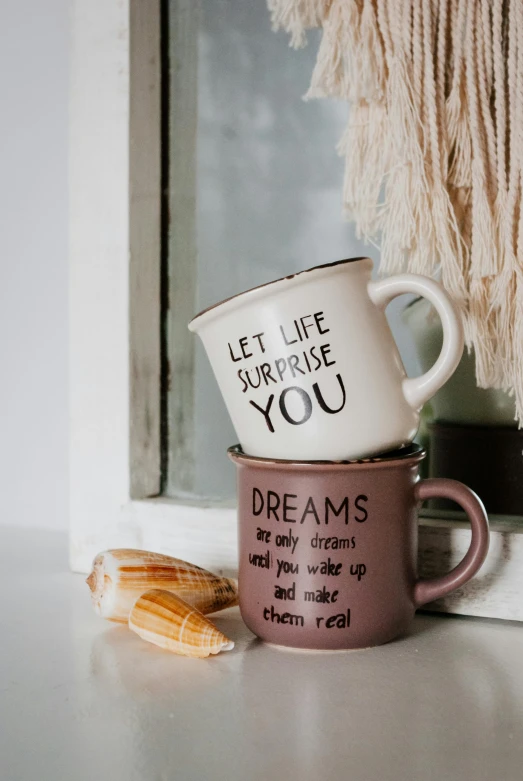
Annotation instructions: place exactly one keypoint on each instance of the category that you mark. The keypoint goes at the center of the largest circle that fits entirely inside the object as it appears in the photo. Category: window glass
(267, 198)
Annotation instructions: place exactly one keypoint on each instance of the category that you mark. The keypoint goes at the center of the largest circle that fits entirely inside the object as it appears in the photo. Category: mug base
(294, 649)
(299, 641)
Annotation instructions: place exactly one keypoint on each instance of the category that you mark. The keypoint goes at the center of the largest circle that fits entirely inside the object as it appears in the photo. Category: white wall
(34, 59)
(34, 55)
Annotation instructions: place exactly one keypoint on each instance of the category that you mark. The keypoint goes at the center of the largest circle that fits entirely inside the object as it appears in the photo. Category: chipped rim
(253, 293)
(412, 453)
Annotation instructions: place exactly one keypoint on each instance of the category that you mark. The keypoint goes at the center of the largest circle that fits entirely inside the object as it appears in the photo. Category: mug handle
(441, 487)
(418, 390)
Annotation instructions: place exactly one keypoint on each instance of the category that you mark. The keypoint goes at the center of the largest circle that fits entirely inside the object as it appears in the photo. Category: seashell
(162, 618)
(121, 575)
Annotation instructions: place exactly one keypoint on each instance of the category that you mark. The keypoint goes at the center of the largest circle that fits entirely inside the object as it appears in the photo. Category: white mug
(308, 367)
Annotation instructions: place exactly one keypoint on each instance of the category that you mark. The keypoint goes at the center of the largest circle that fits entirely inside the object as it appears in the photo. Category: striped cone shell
(164, 619)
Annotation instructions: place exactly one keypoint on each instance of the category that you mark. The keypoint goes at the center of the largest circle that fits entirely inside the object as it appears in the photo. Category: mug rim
(411, 453)
(254, 292)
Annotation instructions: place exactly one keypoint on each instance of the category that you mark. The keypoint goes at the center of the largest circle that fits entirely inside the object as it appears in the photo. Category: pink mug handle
(434, 588)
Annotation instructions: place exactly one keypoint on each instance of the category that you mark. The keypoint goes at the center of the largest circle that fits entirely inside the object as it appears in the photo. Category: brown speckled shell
(121, 575)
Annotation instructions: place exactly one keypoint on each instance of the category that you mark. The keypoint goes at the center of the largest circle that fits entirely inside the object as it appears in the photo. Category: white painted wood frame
(115, 262)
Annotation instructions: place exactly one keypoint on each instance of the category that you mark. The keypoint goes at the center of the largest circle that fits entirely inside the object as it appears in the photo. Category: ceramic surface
(328, 551)
(309, 369)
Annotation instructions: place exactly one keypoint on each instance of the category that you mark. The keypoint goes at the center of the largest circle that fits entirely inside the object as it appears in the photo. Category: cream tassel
(434, 149)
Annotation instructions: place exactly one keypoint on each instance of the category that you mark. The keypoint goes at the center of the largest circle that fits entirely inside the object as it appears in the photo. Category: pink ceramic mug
(328, 550)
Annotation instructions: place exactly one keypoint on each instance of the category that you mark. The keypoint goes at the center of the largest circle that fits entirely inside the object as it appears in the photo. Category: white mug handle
(418, 390)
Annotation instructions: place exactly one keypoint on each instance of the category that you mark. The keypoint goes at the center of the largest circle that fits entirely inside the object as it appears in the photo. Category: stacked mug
(328, 475)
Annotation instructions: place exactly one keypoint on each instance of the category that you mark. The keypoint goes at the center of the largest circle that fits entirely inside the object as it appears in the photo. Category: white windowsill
(82, 698)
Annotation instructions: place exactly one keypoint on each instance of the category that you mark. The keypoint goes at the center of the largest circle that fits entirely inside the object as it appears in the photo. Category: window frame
(115, 329)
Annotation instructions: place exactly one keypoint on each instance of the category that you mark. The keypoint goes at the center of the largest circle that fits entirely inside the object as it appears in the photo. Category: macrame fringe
(296, 17)
(433, 149)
